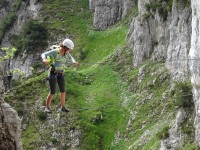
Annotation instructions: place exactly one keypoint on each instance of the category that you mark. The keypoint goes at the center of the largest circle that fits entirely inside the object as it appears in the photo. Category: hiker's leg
(52, 85)
(48, 102)
(62, 99)
(61, 84)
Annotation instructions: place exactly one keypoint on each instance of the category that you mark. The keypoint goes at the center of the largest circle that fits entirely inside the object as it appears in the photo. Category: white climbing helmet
(68, 43)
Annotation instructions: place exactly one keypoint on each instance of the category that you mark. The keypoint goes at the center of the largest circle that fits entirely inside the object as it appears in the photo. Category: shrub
(41, 116)
(54, 141)
(188, 128)
(162, 10)
(183, 95)
(2, 3)
(164, 133)
(153, 6)
(6, 23)
(32, 39)
(17, 5)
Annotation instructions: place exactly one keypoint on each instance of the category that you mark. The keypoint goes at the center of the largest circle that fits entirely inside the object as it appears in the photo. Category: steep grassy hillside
(93, 92)
(113, 106)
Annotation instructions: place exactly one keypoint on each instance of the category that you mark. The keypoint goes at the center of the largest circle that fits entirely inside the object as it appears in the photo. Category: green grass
(90, 46)
(153, 114)
(67, 17)
(96, 95)
(95, 92)
(100, 104)
(102, 43)
(29, 137)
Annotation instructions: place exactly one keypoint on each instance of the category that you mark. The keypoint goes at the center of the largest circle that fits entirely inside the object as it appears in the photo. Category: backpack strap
(52, 61)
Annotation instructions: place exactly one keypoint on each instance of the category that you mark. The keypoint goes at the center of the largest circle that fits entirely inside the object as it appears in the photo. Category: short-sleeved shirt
(58, 60)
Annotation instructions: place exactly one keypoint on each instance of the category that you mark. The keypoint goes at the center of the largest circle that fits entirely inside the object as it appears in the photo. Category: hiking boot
(47, 110)
(63, 109)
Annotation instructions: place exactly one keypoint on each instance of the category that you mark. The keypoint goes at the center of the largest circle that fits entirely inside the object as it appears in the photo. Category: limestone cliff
(107, 13)
(10, 126)
(26, 10)
(165, 32)
(195, 63)
(166, 38)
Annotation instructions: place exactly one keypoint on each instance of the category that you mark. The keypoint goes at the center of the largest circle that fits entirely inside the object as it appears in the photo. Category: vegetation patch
(2, 3)
(42, 116)
(164, 133)
(163, 8)
(6, 23)
(183, 93)
(33, 38)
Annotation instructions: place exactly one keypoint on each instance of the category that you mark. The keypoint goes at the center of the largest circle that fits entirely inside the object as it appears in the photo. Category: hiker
(56, 58)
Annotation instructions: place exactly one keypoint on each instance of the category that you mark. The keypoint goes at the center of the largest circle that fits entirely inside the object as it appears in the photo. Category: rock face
(160, 35)
(156, 37)
(108, 12)
(164, 37)
(10, 124)
(27, 10)
(195, 63)
(175, 135)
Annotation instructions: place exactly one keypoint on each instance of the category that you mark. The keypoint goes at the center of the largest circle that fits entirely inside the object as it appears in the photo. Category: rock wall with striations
(168, 33)
(108, 12)
(162, 35)
(27, 10)
(195, 64)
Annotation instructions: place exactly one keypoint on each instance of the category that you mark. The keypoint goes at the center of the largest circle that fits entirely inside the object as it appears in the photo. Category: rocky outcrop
(164, 37)
(107, 13)
(174, 140)
(195, 63)
(28, 10)
(10, 124)
(161, 34)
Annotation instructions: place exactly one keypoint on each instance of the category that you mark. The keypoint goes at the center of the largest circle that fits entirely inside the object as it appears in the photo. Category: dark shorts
(53, 78)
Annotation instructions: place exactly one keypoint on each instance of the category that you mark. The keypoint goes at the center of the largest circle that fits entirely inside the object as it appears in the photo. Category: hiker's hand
(45, 61)
(76, 64)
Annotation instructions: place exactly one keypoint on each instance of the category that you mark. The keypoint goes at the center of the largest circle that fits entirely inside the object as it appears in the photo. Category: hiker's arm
(45, 57)
(72, 59)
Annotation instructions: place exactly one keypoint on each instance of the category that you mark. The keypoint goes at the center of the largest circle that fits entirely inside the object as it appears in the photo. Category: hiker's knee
(52, 93)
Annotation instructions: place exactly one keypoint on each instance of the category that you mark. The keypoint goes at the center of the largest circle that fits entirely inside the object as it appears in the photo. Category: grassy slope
(101, 102)
(101, 96)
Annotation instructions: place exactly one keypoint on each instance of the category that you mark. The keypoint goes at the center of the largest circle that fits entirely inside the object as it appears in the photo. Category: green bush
(41, 116)
(6, 23)
(32, 39)
(54, 141)
(157, 5)
(153, 6)
(164, 133)
(183, 95)
(2, 3)
(188, 128)
(17, 5)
